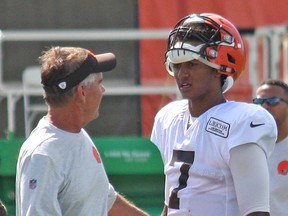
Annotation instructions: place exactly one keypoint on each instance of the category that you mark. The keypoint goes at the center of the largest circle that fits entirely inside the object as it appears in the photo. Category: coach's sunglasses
(270, 101)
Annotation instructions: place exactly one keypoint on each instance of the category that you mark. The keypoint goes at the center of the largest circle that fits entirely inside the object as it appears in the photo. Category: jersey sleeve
(39, 176)
(254, 125)
(157, 133)
(163, 120)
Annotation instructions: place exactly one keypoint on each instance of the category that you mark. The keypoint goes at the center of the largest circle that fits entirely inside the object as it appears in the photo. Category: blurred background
(136, 31)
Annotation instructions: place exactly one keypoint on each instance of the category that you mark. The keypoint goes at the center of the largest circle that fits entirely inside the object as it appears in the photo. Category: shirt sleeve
(112, 195)
(39, 185)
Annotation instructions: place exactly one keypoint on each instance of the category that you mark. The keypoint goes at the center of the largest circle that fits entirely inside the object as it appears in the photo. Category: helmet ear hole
(231, 59)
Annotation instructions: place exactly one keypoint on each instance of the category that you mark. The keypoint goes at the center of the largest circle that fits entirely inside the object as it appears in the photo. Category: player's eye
(175, 67)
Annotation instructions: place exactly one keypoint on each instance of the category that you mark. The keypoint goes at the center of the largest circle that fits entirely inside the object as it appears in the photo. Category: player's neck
(198, 107)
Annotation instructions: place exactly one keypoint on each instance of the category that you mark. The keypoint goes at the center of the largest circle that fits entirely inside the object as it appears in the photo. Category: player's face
(279, 110)
(194, 79)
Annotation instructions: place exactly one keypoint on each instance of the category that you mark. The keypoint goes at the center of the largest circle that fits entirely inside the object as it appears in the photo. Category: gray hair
(89, 80)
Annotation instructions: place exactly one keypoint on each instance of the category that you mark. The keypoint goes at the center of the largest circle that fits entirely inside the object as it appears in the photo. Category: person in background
(214, 151)
(3, 210)
(273, 96)
(59, 169)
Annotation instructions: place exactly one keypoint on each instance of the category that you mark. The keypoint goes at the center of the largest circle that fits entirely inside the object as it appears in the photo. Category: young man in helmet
(214, 151)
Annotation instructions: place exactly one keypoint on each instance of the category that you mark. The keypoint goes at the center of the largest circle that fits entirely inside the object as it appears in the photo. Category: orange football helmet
(218, 45)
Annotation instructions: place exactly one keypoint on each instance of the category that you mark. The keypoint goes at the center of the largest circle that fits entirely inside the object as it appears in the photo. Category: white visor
(183, 52)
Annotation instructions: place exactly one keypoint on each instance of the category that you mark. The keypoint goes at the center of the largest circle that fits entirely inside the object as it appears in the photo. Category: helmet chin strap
(218, 67)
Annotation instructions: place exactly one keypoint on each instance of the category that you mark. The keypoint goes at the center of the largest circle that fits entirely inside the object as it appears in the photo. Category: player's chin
(186, 92)
(185, 95)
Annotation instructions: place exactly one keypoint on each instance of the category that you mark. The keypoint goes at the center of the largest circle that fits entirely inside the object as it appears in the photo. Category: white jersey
(196, 157)
(278, 170)
(61, 174)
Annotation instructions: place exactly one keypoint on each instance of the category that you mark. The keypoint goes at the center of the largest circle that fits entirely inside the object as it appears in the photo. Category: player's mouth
(184, 87)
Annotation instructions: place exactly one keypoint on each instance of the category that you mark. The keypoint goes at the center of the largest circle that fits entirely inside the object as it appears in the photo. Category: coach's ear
(81, 93)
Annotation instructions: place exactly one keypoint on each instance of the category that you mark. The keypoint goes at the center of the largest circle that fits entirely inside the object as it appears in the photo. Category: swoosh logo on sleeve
(252, 125)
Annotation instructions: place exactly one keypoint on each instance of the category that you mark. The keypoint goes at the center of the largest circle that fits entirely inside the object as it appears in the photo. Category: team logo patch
(62, 85)
(32, 183)
(283, 167)
(218, 127)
